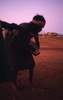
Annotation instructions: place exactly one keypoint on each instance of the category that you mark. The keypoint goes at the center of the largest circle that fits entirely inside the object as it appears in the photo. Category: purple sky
(19, 11)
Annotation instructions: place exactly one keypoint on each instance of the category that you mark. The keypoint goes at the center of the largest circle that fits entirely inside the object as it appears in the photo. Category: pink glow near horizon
(19, 11)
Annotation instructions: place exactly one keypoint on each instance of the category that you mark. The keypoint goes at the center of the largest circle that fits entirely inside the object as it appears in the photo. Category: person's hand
(0, 24)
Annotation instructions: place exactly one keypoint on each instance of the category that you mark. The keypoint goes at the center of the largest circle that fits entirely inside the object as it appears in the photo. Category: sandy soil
(47, 78)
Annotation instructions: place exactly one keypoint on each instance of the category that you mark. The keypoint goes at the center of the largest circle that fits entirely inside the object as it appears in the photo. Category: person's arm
(37, 40)
(10, 26)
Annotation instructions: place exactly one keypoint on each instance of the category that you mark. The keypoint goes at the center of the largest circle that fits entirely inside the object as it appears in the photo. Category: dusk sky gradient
(19, 11)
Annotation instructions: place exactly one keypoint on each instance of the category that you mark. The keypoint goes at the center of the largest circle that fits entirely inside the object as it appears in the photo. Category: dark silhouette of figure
(20, 43)
(5, 72)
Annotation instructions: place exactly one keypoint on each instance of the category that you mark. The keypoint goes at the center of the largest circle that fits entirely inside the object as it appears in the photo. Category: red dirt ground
(47, 78)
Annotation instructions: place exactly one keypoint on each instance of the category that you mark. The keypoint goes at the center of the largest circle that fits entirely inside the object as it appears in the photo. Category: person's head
(37, 23)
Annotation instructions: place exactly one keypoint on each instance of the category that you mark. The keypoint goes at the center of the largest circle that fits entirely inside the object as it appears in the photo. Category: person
(5, 72)
(23, 33)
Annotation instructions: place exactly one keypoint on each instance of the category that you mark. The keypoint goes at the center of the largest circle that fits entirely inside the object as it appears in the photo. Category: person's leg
(31, 74)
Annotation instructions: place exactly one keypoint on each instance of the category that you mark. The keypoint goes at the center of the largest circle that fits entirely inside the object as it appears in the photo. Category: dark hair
(39, 17)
